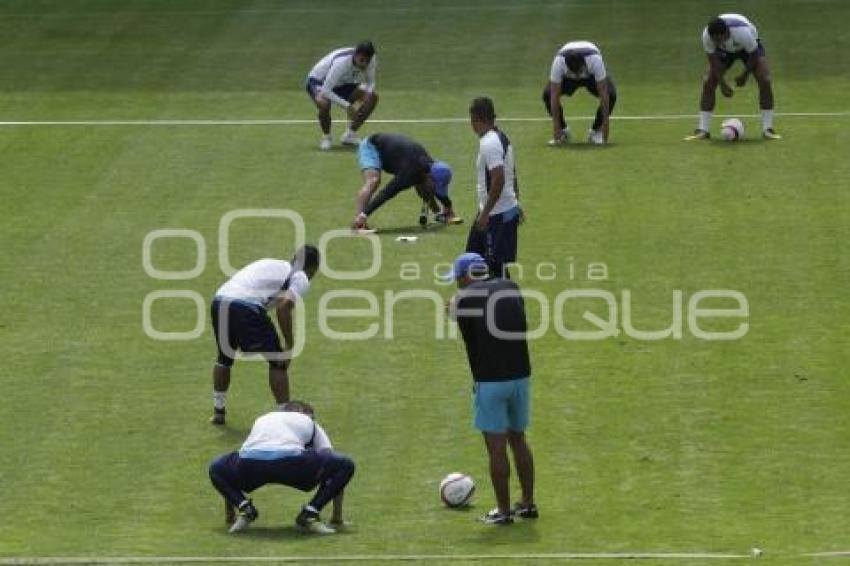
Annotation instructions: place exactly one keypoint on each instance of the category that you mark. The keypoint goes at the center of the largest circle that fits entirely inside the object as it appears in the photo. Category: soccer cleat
(326, 143)
(770, 134)
(247, 514)
(525, 511)
(308, 521)
(595, 137)
(563, 137)
(218, 416)
(496, 517)
(698, 135)
(448, 217)
(349, 138)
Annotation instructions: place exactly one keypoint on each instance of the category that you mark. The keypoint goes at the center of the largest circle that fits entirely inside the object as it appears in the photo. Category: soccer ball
(732, 129)
(456, 489)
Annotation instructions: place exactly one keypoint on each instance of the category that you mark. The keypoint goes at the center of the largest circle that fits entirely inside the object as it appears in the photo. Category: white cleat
(326, 143)
(595, 137)
(240, 524)
(317, 528)
(349, 138)
(562, 138)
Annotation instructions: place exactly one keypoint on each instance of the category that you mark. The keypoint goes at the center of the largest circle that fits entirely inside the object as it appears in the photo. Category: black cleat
(496, 517)
(247, 514)
(525, 511)
(218, 416)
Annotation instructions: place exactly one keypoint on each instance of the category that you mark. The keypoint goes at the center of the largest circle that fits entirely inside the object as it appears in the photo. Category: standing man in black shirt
(490, 313)
(412, 167)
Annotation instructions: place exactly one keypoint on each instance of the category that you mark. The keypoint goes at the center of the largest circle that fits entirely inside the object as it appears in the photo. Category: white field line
(833, 554)
(301, 121)
(371, 558)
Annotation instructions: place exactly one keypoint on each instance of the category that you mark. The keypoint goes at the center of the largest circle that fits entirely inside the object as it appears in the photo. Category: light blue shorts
(367, 156)
(501, 406)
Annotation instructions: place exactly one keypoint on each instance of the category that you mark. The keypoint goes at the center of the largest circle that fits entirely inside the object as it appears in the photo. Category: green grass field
(668, 446)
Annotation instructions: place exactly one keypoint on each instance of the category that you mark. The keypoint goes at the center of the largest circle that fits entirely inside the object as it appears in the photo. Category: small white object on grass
(757, 552)
(409, 239)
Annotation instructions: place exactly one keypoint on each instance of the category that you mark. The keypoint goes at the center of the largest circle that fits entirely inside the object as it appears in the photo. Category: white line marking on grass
(373, 558)
(833, 554)
(301, 121)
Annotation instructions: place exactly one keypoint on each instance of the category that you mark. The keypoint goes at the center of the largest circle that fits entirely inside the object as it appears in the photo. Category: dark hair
(482, 109)
(306, 258)
(297, 407)
(716, 27)
(366, 48)
(575, 62)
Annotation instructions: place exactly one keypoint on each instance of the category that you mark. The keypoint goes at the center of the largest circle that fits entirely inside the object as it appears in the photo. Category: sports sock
(705, 121)
(219, 399)
(766, 119)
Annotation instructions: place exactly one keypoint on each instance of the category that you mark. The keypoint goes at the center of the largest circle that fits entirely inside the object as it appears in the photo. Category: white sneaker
(240, 524)
(563, 138)
(595, 137)
(326, 143)
(316, 528)
(349, 138)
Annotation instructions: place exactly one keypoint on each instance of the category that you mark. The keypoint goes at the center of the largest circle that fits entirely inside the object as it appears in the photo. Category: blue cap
(441, 173)
(464, 264)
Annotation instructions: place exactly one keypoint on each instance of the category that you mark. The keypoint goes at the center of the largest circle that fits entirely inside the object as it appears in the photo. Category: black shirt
(402, 157)
(494, 358)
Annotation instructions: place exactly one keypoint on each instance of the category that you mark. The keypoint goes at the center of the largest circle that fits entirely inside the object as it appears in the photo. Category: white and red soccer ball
(456, 489)
(732, 129)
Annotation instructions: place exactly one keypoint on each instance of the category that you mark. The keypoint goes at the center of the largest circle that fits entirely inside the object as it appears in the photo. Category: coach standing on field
(491, 316)
(494, 232)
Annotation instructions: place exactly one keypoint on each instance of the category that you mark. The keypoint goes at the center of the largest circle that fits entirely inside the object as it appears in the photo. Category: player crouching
(413, 167)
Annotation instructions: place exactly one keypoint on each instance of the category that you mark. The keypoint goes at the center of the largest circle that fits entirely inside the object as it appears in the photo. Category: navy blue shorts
(239, 325)
(498, 244)
(302, 472)
(729, 59)
(345, 91)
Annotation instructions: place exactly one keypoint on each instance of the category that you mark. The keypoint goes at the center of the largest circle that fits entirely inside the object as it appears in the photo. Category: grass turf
(676, 445)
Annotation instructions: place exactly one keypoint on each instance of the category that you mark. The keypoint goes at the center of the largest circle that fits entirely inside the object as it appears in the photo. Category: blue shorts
(498, 244)
(501, 406)
(245, 327)
(344, 91)
(367, 156)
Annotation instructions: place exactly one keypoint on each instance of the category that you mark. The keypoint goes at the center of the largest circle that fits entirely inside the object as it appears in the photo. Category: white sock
(311, 509)
(767, 119)
(327, 136)
(219, 398)
(705, 121)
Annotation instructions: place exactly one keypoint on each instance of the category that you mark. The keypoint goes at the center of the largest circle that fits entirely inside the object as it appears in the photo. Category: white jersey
(264, 282)
(743, 35)
(593, 63)
(494, 150)
(337, 68)
(283, 432)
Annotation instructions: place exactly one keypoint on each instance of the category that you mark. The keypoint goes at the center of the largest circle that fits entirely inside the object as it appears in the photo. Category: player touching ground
(726, 39)
(345, 77)
(579, 64)
(412, 166)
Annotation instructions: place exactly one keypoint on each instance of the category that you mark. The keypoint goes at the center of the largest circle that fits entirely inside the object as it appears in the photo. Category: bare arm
(497, 184)
(555, 108)
(717, 70)
(604, 105)
(284, 321)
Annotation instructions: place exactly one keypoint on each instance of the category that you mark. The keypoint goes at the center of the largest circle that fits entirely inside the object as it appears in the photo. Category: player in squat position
(579, 64)
(345, 77)
(726, 39)
(412, 166)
